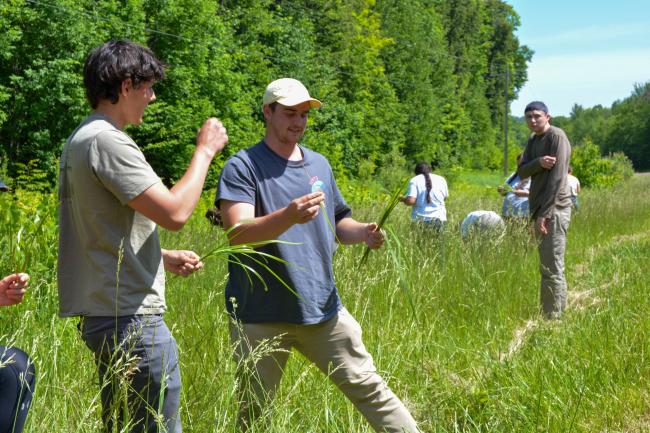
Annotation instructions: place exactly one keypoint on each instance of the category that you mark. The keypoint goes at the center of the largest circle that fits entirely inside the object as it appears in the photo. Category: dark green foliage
(505, 56)
(630, 128)
(625, 127)
(401, 81)
(420, 69)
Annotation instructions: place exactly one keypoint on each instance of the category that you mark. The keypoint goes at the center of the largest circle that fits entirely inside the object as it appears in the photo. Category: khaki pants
(335, 347)
(551, 256)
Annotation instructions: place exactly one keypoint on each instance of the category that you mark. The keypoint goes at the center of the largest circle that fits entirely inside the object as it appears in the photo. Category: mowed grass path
(454, 328)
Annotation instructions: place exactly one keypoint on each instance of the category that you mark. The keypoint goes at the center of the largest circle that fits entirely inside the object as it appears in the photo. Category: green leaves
(28, 233)
(400, 80)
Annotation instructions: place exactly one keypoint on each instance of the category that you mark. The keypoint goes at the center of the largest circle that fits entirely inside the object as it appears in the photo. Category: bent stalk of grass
(392, 203)
(234, 253)
(402, 279)
(329, 222)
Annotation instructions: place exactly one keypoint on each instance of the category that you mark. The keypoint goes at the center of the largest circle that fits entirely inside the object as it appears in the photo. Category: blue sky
(586, 52)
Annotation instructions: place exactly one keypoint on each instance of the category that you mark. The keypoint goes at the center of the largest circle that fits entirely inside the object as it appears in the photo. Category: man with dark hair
(111, 64)
(279, 187)
(110, 265)
(546, 161)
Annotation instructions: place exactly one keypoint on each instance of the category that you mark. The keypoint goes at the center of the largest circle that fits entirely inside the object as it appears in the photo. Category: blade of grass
(396, 254)
(392, 203)
(249, 251)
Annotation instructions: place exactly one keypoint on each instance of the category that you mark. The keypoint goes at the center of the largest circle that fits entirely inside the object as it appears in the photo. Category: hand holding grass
(374, 236)
(398, 196)
(13, 288)
(181, 262)
(243, 227)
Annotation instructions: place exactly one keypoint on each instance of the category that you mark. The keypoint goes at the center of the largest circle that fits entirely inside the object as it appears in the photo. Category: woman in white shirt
(427, 193)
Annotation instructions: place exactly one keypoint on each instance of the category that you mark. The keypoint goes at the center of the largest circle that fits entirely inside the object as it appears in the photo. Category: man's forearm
(188, 189)
(264, 228)
(529, 168)
(350, 231)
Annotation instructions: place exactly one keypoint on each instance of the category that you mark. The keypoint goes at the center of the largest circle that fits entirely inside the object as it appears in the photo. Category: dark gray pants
(553, 291)
(139, 377)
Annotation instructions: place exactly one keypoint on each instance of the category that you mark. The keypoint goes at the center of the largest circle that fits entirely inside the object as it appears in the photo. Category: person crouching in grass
(17, 373)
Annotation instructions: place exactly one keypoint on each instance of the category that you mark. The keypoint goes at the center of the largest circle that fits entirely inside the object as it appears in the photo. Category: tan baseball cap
(288, 92)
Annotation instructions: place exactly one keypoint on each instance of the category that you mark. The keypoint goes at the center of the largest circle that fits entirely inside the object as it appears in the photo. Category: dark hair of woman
(424, 169)
(108, 65)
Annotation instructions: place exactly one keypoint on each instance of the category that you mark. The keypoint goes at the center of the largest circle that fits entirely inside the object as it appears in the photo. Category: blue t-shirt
(261, 177)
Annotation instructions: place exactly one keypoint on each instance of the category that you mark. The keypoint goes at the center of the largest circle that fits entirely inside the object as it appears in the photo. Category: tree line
(402, 80)
(623, 127)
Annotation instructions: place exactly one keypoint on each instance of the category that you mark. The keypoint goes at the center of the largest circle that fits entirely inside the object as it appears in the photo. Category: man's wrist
(205, 151)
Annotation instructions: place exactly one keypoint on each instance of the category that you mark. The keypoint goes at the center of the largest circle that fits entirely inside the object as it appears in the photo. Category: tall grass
(476, 357)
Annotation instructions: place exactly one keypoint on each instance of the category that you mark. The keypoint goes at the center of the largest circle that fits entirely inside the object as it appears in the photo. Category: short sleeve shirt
(423, 210)
(574, 184)
(110, 261)
(260, 177)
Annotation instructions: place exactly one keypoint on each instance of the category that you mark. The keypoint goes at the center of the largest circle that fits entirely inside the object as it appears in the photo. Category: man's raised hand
(212, 137)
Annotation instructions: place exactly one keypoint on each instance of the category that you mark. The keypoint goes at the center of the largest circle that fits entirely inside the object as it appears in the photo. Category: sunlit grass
(441, 349)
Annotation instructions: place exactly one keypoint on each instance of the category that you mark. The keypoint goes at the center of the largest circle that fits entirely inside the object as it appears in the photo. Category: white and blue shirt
(514, 205)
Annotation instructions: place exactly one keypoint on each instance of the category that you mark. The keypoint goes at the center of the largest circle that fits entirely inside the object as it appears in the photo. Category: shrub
(596, 171)
(32, 177)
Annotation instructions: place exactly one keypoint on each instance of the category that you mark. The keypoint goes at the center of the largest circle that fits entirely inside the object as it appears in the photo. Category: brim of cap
(292, 102)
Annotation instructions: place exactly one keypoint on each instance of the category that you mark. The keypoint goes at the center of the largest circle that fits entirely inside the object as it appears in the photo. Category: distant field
(453, 327)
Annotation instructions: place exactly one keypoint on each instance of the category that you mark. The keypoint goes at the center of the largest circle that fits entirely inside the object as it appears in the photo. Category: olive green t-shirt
(110, 261)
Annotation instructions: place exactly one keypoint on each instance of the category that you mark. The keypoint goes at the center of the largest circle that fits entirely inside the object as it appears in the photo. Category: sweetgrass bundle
(394, 200)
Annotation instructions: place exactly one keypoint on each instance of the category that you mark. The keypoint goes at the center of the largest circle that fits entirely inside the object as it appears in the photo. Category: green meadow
(453, 327)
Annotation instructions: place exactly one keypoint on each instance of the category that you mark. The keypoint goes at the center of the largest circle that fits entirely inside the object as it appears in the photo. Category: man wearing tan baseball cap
(288, 92)
(288, 192)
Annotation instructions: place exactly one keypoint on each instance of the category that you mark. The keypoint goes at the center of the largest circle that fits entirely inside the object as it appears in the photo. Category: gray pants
(139, 377)
(551, 256)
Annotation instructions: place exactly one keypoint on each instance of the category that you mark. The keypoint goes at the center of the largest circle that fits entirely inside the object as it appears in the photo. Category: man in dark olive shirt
(546, 161)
